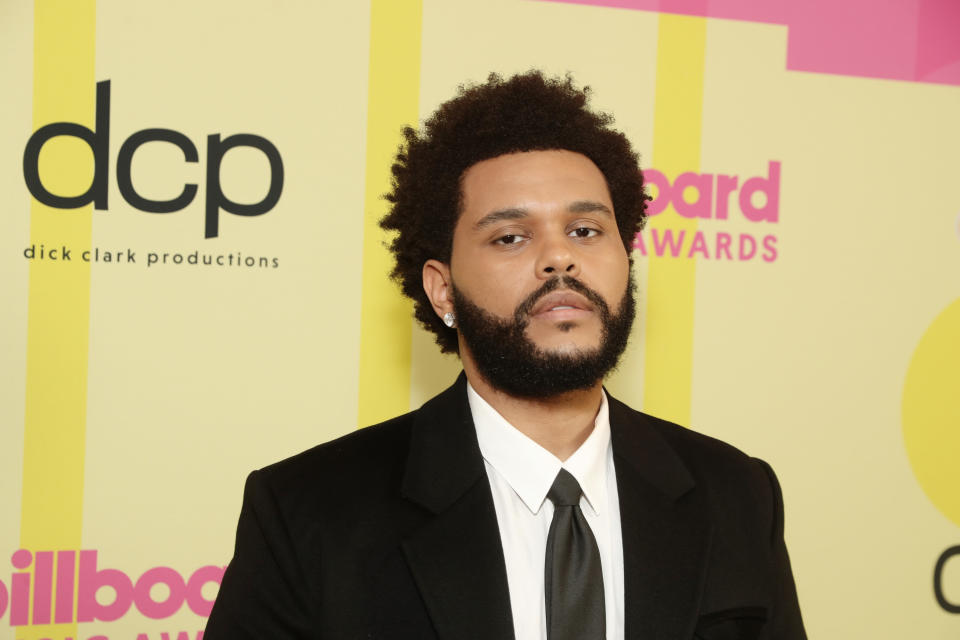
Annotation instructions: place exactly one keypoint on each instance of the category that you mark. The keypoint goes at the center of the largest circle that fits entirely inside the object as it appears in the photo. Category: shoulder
(361, 467)
(373, 446)
(738, 493)
(364, 472)
(721, 469)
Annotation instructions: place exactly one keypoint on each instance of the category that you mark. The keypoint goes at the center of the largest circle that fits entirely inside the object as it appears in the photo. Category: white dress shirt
(521, 472)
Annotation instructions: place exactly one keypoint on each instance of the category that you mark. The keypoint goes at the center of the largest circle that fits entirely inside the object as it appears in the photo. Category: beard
(512, 363)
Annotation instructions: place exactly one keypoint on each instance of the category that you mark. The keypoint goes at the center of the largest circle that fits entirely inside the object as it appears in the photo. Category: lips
(562, 301)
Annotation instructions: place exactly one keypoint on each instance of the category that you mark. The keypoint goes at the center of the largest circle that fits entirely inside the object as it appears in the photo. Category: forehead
(532, 180)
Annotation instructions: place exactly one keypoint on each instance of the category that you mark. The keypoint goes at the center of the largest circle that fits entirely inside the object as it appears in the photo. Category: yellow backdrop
(799, 284)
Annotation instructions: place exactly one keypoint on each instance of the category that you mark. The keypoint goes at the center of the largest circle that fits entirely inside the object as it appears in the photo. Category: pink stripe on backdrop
(938, 56)
(854, 37)
(915, 40)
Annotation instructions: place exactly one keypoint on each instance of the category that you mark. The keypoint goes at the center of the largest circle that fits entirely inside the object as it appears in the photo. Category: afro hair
(527, 112)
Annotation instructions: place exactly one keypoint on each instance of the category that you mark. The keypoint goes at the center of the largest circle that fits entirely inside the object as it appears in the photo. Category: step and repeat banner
(194, 284)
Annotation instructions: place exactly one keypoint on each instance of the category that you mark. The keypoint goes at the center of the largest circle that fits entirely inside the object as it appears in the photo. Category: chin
(565, 340)
(566, 347)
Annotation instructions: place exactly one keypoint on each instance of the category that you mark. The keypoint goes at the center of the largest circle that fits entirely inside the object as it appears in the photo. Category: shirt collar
(530, 469)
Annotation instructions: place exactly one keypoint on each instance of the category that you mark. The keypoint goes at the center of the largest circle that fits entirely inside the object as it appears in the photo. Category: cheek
(615, 277)
(494, 286)
(501, 292)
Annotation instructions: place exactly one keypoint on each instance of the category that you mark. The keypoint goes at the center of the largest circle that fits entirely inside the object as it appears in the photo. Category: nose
(557, 257)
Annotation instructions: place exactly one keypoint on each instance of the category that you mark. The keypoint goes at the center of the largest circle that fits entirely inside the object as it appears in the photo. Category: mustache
(568, 282)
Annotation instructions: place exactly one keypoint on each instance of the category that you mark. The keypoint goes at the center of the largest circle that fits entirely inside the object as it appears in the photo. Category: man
(523, 502)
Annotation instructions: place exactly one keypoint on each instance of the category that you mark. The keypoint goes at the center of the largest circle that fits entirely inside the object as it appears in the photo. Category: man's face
(540, 275)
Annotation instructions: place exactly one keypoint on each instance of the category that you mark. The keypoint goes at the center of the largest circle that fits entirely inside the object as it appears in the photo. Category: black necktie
(574, 578)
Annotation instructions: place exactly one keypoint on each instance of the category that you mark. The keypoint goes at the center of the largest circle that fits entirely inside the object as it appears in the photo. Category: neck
(559, 424)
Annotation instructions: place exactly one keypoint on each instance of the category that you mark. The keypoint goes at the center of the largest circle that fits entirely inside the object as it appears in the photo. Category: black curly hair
(527, 112)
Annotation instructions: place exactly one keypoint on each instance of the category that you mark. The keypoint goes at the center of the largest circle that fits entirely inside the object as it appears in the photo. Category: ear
(438, 286)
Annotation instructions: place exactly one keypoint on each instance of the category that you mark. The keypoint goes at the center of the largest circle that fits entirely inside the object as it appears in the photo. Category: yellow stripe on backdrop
(386, 316)
(58, 312)
(668, 366)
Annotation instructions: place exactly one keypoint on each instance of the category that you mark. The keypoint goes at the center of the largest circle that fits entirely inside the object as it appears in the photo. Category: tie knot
(565, 491)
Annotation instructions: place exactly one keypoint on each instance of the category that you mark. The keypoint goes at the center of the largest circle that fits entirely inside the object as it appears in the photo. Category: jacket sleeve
(263, 593)
(785, 621)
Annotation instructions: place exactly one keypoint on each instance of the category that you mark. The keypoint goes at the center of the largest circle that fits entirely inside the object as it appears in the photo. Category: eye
(510, 238)
(585, 232)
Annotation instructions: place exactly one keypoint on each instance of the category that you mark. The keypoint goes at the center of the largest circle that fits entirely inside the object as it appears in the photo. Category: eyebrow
(589, 206)
(516, 213)
(513, 213)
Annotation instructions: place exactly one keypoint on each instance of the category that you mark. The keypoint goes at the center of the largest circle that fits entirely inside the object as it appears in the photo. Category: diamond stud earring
(449, 319)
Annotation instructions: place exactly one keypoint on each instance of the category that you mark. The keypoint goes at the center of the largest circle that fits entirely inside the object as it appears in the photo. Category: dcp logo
(99, 142)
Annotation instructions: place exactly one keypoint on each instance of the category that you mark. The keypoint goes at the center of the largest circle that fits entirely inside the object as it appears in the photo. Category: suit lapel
(456, 558)
(665, 530)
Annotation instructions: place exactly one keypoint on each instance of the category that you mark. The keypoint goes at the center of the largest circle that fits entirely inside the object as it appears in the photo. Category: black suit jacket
(390, 532)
